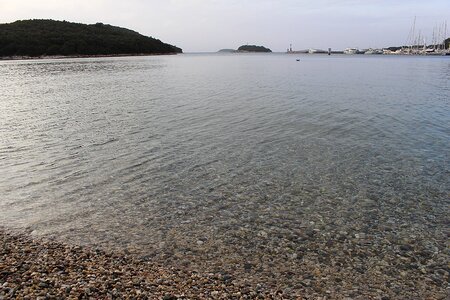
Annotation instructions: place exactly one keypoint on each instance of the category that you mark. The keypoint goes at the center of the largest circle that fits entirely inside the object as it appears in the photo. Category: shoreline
(46, 268)
(35, 267)
(14, 58)
(57, 57)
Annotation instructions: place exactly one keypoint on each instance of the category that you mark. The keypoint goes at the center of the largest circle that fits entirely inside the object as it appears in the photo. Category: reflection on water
(230, 161)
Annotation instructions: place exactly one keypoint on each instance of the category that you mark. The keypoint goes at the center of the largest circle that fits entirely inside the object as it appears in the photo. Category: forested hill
(48, 37)
(253, 48)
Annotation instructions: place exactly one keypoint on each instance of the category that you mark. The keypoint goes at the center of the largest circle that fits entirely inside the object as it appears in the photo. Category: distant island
(227, 50)
(35, 38)
(253, 48)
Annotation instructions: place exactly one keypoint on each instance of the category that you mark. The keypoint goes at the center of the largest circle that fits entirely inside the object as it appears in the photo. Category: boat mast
(434, 42)
(413, 33)
(445, 37)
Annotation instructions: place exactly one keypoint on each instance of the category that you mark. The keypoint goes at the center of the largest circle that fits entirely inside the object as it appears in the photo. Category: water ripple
(161, 152)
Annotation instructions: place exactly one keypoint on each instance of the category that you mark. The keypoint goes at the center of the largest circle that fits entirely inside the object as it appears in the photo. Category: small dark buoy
(298, 59)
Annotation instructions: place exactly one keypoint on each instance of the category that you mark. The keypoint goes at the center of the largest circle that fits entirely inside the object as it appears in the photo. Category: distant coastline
(44, 57)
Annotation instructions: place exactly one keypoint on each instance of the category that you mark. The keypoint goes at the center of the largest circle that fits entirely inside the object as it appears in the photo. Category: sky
(210, 25)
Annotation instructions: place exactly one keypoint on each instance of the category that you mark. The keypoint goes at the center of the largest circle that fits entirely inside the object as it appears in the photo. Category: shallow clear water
(227, 161)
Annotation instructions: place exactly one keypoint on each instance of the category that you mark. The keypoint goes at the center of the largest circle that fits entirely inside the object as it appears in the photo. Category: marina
(415, 45)
(412, 50)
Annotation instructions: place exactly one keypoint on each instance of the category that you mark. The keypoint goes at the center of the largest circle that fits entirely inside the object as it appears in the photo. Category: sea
(278, 169)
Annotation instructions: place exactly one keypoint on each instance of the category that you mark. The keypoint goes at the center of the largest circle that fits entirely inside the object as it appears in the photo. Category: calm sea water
(224, 161)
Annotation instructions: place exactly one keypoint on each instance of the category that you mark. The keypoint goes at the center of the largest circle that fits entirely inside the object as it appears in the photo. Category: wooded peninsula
(35, 38)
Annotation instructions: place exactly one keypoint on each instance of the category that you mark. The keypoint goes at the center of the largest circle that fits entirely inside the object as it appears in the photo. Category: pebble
(263, 234)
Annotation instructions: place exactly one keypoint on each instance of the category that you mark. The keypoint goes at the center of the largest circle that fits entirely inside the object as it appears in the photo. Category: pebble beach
(38, 269)
(43, 269)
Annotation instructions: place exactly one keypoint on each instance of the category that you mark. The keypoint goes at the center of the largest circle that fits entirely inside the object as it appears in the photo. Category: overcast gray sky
(209, 25)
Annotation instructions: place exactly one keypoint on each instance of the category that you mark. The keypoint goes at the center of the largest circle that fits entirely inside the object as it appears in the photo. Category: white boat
(373, 51)
(316, 51)
(351, 51)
